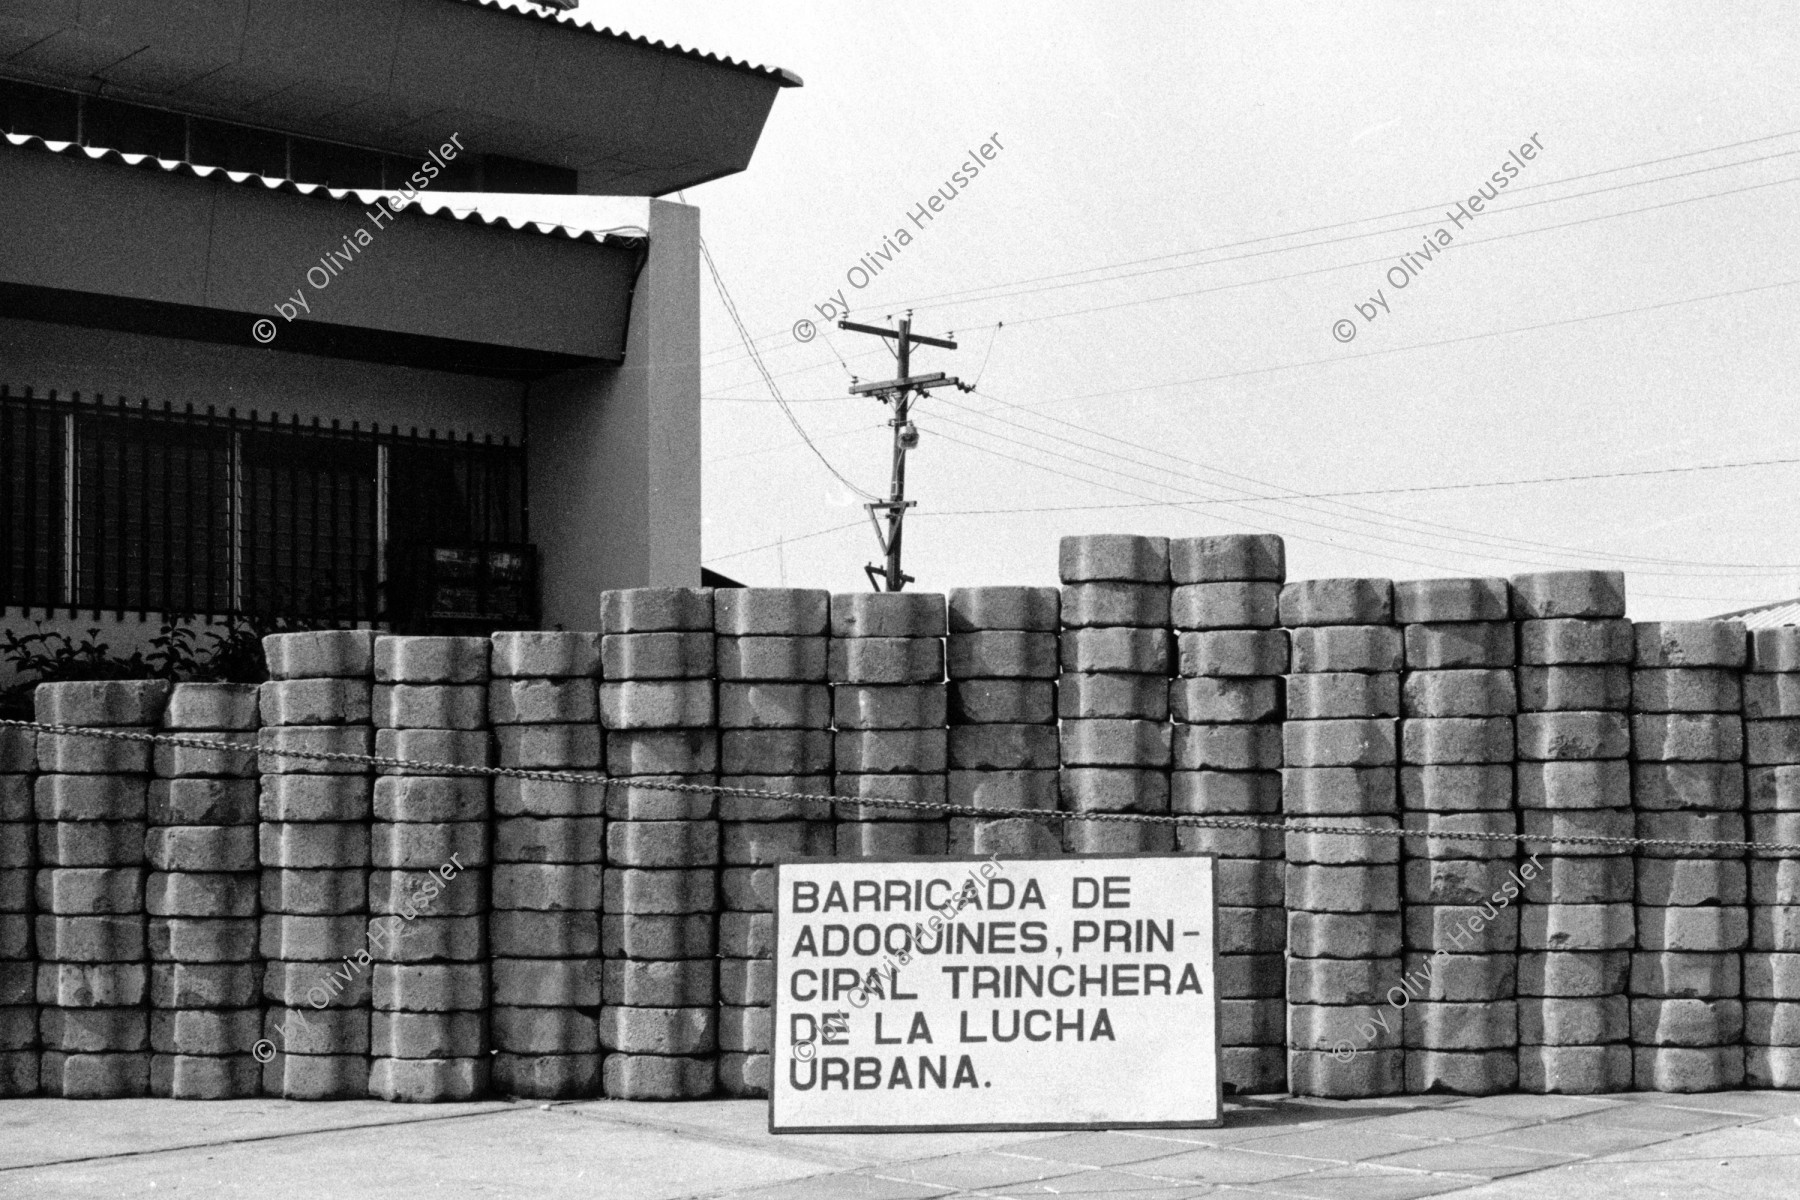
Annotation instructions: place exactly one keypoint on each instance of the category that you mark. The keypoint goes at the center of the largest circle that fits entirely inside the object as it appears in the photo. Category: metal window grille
(122, 507)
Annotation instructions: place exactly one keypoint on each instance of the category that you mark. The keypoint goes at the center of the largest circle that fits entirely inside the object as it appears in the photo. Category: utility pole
(898, 392)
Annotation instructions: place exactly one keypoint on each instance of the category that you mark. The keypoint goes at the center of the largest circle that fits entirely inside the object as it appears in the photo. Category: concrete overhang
(161, 247)
(634, 117)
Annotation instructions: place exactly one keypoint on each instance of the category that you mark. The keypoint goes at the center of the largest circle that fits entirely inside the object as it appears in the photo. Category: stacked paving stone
(1772, 965)
(1343, 892)
(886, 665)
(1457, 700)
(659, 1018)
(428, 853)
(775, 735)
(314, 849)
(549, 842)
(1693, 919)
(1003, 662)
(1227, 706)
(18, 973)
(1113, 696)
(1573, 779)
(92, 978)
(205, 981)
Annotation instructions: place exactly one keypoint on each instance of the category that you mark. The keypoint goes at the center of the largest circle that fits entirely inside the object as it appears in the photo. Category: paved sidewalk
(1740, 1144)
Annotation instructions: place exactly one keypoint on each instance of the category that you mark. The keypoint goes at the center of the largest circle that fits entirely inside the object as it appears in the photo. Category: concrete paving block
(225, 940)
(15, 894)
(1690, 826)
(1695, 1023)
(94, 1076)
(557, 655)
(745, 1030)
(1228, 701)
(658, 704)
(1456, 740)
(1573, 974)
(1109, 837)
(1338, 695)
(1544, 594)
(94, 1030)
(1009, 836)
(1339, 743)
(1103, 742)
(317, 1076)
(1113, 697)
(1460, 881)
(1228, 843)
(408, 1038)
(1687, 785)
(1575, 1070)
(1117, 650)
(905, 615)
(428, 846)
(315, 701)
(655, 610)
(549, 839)
(1345, 889)
(1770, 1023)
(211, 706)
(201, 848)
(773, 658)
(886, 706)
(133, 702)
(1446, 835)
(656, 656)
(762, 843)
(1016, 701)
(659, 752)
(312, 939)
(1548, 830)
(1773, 742)
(656, 1077)
(1688, 690)
(428, 1080)
(546, 1076)
(574, 747)
(1328, 1026)
(326, 892)
(432, 659)
(666, 985)
(907, 789)
(190, 894)
(1225, 793)
(760, 808)
(1114, 789)
(205, 1031)
(1361, 648)
(994, 608)
(1459, 978)
(1574, 1021)
(321, 654)
(782, 612)
(91, 843)
(18, 750)
(411, 893)
(430, 798)
(537, 1031)
(886, 660)
(1575, 642)
(1331, 935)
(544, 935)
(668, 936)
(626, 890)
(1673, 975)
(1450, 600)
(1459, 693)
(307, 798)
(1602, 880)
(202, 802)
(1330, 849)
(1667, 1069)
(1362, 1073)
(428, 939)
(1768, 788)
(85, 891)
(1250, 977)
(205, 985)
(95, 939)
(1770, 696)
(746, 935)
(662, 843)
(107, 986)
(1459, 929)
(1579, 927)
(1689, 737)
(1562, 736)
(545, 982)
(424, 706)
(316, 986)
(1473, 644)
(547, 798)
(658, 1031)
(1464, 1073)
(776, 705)
(1003, 789)
(542, 701)
(1691, 644)
(889, 839)
(1771, 928)
(1228, 558)
(1772, 1067)
(313, 846)
(1113, 557)
(1252, 1023)
(1480, 787)
(429, 988)
(1477, 1026)
(1238, 653)
(1687, 881)
(1003, 654)
(1335, 791)
(1577, 784)
(1237, 605)
(1772, 650)
(205, 1077)
(1251, 883)
(1227, 747)
(885, 751)
(1337, 602)
(1574, 689)
(277, 744)
(78, 754)
(1104, 604)
(16, 799)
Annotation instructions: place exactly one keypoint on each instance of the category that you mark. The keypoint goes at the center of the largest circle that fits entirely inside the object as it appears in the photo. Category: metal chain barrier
(419, 766)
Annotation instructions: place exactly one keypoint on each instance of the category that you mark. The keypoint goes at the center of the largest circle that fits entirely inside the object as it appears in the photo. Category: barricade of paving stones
(1227, 703)
(544, 919)
(430, 936)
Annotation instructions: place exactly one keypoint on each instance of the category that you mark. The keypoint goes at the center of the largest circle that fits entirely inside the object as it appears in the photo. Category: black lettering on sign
(806, 896)
(1118, 891)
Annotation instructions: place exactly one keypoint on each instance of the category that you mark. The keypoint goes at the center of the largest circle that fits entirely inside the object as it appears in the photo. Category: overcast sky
(1186, 199)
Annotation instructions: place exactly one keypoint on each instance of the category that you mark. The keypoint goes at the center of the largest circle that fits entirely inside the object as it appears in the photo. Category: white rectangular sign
(970, 993)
